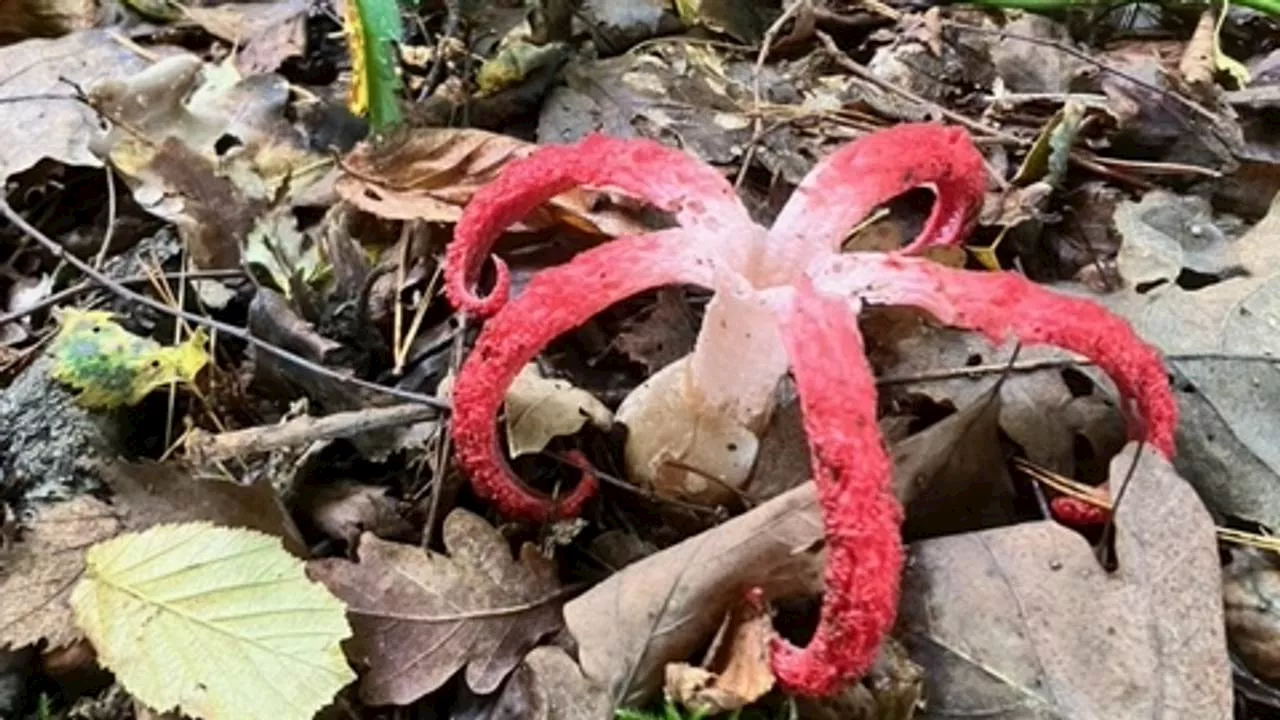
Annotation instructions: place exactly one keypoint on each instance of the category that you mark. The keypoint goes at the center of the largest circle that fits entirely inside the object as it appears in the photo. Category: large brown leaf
(1229, 409)
(419, 616)
(1023, 622)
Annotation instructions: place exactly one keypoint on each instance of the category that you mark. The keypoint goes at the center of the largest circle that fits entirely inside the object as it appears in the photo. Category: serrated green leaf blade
(220, 623)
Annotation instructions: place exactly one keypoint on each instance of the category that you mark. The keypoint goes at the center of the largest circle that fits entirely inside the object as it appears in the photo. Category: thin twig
(231, 330)
(1190, 104)
(843, 60)
(757, 122)
(111, 218)
(976, 371)
(452, 21)
(87, 285)
(1087, 494)
(206, 447)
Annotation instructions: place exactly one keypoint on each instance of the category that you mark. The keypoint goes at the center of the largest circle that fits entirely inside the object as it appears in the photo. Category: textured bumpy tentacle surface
(847, 185)
(815, 293)
(698, 196)
(860, 514)
(556, 301)
(1004, 305)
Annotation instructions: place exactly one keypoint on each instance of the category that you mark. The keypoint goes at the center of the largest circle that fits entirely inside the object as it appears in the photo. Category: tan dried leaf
(549, 685)
(419, 616)
(1197, 63)
(37, 574)
(264, 33)
(742, 674)
(1024, 621)
(148, 493)
(434, 172)
(33, 67)
(1251, 597)
(539, 409)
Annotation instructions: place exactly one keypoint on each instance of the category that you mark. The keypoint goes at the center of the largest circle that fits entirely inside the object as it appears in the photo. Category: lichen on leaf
(111, 367)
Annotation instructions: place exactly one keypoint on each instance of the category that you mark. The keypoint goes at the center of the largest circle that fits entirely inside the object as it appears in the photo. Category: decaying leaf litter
(291, 176)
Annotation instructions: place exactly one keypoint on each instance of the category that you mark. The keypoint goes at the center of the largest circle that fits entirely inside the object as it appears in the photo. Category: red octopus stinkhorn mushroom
(783, 296)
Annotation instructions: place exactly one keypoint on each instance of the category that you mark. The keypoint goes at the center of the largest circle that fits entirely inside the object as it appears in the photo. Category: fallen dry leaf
(663, 335)
(37, 574)
(1044, 411)
(203, 148)
(264, 33)
(539, 409)
(954, 471)
(33, 67)
(1197, 65)
(663, 608)
(21, 19)
(741, 668)
(432, 174)
(549, 685)
(1226, 437)
(419, 616)
(1023, 621)
(345, 510)
(148, 493)
(1251, 598)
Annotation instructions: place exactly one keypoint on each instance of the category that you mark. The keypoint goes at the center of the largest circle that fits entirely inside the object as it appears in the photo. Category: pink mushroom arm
(843, 189)
(667, 179)
(1003, 305)
(556, 301)
(853, 473)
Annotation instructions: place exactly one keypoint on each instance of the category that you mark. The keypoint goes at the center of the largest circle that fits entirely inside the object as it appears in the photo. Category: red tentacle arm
(861, 516)
(668, 179)
(843, 189)
(1003, 305)
(556, 301)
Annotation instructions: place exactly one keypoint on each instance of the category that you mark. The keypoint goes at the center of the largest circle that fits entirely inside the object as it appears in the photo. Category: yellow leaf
(220, 623)
(112, 367)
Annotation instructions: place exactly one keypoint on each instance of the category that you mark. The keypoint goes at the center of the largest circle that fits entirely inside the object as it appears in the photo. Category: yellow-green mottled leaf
(112, 367)
(514, 63)
(220, 623)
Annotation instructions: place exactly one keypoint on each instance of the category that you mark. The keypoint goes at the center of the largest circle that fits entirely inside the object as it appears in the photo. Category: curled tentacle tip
(464, 297)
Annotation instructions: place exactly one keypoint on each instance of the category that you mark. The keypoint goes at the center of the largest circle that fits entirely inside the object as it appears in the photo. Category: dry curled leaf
(419, 616)
(739, 672)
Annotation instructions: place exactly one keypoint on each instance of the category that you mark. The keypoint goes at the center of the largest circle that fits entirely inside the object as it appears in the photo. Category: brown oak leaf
(419, 616)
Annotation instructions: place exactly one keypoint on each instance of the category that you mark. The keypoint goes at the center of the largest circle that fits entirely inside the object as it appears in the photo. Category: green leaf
(219, 623)
(373, 28)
